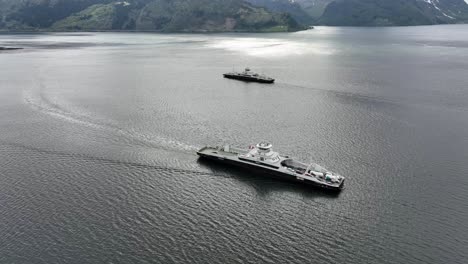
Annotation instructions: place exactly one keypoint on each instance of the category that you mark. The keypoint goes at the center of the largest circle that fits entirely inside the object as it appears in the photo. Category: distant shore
(26, 31)
(9, 48)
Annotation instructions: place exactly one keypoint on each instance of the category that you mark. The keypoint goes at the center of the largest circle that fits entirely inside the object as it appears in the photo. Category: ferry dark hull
(248, 78)
(271, 173)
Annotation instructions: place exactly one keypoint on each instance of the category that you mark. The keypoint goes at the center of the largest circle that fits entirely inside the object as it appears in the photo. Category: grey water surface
(98, 134)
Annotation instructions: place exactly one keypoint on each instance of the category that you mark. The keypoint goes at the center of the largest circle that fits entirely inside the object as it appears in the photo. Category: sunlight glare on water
(270, 47)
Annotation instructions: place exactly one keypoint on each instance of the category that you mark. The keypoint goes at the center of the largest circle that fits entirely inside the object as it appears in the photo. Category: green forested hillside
(314, 8)
(223, 15)
(286, 6)
(394, 12)
(373, 12)
(151, 15)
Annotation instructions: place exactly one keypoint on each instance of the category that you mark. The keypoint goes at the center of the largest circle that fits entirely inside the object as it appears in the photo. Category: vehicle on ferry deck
(262, 158)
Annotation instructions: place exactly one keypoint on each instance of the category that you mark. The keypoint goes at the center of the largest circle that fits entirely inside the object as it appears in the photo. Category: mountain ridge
(394, 13)
(371, 12)
(142, 15)
(286, 6)
(223, 15)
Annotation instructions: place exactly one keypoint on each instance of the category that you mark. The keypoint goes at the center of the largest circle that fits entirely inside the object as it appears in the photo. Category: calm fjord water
(98, 133)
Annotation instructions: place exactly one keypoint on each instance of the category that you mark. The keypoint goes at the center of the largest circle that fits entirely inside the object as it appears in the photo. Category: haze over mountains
(223, 15)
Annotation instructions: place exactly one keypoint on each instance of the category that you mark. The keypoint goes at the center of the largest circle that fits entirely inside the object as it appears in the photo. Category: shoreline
(151, 31)
(8, 48)
(39, 31)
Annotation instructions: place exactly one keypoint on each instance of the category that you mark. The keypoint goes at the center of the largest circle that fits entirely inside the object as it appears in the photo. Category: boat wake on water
(201, 170)
(164, 167)
(37, 100)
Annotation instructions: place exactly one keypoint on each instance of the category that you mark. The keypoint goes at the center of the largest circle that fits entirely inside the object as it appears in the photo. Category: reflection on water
(270, 47)
(263, 183)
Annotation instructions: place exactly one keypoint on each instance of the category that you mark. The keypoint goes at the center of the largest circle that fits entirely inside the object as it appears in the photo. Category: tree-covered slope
(27, 14)
(394, 12)
(152, 15)
(212, 15)
(223, 15)
(314, 8)
(372, 12)
(286, 6)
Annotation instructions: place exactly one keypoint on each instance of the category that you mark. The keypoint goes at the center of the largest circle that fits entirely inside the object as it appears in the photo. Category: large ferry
(262, 158)
(249, 76)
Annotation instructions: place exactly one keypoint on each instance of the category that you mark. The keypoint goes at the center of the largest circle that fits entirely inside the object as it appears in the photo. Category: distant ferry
(249, 76)
(263, 159)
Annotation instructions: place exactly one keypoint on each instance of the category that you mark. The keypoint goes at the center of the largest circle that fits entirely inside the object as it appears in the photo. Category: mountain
(394, 12)
(28, 14)
(314, 8)
(223, 15)
(371, 12)
(285, 6)
(151, 15)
